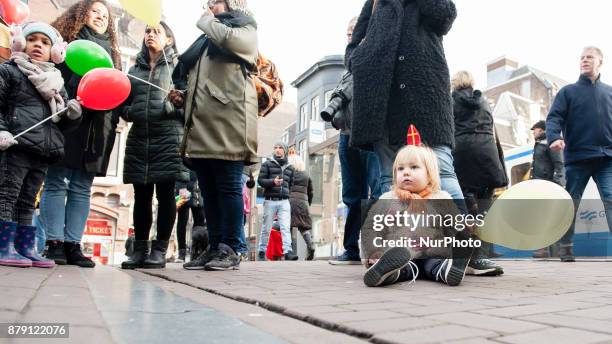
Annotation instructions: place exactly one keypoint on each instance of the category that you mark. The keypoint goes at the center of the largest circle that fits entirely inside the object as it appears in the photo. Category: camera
(332, 113)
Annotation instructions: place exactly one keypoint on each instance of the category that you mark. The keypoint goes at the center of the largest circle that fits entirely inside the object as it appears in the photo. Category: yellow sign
(5, 36)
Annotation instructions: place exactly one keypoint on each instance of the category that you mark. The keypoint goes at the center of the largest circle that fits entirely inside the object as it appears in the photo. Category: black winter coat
(547, 165)
(300, 200)
(152, 148)
(583, 113)
(21, 106)
(478, 156)
(89, 147)
(270, 170)
(400, 72)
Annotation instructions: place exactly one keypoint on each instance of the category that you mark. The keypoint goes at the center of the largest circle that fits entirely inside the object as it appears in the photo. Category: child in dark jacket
(31, 90)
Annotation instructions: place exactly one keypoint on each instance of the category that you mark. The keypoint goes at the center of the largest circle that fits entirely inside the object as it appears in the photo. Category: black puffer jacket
(272, 169)
(89, 147)
(21, 106)
(400, 72)
(478, 156)
(152, 148)
(547, 165)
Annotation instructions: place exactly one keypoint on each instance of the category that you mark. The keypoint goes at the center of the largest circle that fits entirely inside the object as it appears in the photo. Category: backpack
(269, 86)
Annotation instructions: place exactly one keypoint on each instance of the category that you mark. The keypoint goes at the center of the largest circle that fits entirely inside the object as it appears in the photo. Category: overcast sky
(546, 34)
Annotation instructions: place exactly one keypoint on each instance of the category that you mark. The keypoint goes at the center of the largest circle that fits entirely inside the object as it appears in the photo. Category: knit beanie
(40, 27)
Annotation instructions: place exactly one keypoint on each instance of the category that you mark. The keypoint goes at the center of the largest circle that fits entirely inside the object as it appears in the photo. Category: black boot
(74, 255)
(182, 253)
(55, 250)
(290, 256)
(141, 252)
(309, 244)
(157, 258)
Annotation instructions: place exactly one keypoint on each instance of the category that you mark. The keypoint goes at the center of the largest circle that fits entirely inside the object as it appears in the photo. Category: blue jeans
(220, 182)
(360, 175)
(272, 209)
(64, 206)
(449, 182)
(40, 232)
(578, 174)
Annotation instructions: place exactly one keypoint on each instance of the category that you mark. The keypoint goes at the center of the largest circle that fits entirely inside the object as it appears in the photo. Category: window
(303, 148)
(314, 114)
(328, 95)
(285, 138)
(526, 89)
(303, 123)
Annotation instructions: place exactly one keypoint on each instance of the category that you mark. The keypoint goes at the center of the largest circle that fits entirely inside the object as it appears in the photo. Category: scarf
(190, 57)
(45, 77)
(404, 195)
(102, 39)
(281, 161)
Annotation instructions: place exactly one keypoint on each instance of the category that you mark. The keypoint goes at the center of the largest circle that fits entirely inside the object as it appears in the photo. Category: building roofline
(317, 149)
(509, 81)
(327, 61)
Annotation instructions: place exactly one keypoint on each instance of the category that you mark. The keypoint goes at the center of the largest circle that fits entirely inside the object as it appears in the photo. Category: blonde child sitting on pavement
(416, 190)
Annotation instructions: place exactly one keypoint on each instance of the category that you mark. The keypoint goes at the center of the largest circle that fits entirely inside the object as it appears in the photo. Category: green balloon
(83, 56)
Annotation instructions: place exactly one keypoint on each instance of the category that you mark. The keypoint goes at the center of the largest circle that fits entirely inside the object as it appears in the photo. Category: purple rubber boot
(25, 244)
(8, 255)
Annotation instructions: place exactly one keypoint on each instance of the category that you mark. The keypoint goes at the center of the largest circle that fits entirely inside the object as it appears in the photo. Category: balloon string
(146, 82)
(39, 123)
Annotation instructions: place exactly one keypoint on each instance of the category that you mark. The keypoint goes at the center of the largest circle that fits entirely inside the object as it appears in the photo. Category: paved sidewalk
(535, 302)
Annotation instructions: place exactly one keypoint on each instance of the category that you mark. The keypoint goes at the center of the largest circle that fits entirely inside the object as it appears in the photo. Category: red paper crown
(413, 137)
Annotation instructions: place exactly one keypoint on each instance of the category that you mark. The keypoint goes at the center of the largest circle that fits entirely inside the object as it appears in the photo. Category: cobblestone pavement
(305, 302)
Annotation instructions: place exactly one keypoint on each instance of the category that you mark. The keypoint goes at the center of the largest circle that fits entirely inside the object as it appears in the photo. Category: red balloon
(14, 11)
(103, 89)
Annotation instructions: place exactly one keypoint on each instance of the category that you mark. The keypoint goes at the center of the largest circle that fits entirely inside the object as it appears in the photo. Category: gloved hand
(6, 140)
(74, 109)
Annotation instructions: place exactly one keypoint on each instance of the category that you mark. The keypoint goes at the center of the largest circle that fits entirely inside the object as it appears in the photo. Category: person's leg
(207, 180)
(284, 219)
(372, 166)
(264, 235)
(448, 178)
(199, 218)
(77, 204)
(603, 179)
(166, 214)
(578, 175)
(229, 197)
(166, 209)
(143, 208)
(182, 217)
(386, 156)
(40, 232)
(53, 203)
(13, 172)
(354, 186)
(24, 207)
(228, 176)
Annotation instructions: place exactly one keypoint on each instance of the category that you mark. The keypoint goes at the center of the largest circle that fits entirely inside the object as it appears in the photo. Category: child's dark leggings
(21, 176)
(428, 268)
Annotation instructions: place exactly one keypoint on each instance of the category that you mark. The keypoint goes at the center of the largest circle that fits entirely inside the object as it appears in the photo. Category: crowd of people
(198, 141)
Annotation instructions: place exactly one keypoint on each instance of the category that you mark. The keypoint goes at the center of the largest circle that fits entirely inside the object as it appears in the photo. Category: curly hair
(70, 23)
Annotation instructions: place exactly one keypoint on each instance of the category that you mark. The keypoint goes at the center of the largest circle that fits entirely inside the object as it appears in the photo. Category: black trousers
(143, 210)
(21, 176)
(181, 223)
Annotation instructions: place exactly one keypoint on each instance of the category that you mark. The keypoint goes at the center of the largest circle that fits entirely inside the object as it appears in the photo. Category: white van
(592, 237)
